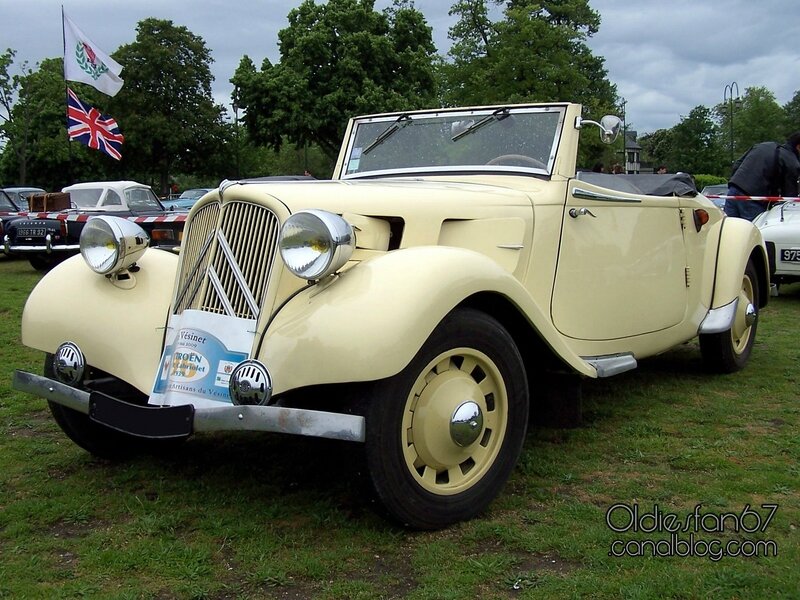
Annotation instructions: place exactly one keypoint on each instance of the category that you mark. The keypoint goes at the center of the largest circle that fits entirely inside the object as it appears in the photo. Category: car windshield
(142, 199)
(6, 203)
(522, 139)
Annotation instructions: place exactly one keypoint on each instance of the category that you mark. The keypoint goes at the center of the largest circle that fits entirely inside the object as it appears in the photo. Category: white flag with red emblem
(85, 62)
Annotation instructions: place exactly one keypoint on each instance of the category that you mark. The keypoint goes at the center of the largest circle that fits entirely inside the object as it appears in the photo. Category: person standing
(767, 169)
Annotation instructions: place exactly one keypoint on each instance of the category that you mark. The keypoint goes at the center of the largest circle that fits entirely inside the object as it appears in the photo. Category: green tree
(165, 109)
(694, 143)
(13, 133)
(536, 52)
(791, 111)
(338, 59)
(757, 117)
(8, 89)
(657, 146)
(37, 150)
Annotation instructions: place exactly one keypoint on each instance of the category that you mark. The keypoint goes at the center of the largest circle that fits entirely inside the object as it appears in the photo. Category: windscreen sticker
(201, 352)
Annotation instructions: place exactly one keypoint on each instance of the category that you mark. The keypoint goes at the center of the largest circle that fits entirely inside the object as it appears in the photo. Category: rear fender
(368, 322)
(739, 241)
(119, 330)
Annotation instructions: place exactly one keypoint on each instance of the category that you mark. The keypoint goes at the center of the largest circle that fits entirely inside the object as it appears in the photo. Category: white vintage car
(780, 227)
(47, 238)
(455, 271)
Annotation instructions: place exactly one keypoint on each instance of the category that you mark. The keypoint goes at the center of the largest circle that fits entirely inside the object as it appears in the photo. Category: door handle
(578, 212)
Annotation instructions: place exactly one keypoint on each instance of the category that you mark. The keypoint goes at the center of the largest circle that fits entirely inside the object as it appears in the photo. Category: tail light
(701, 217)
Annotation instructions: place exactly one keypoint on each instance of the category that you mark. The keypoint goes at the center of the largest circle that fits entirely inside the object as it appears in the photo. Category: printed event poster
(201, 351)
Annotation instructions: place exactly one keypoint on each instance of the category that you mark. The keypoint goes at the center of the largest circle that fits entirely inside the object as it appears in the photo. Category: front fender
(119, 330)
(370, 321)
(739, 240)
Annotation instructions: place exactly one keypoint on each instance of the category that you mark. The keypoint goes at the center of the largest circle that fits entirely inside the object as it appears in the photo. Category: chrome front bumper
(135, 418)
(47, 247)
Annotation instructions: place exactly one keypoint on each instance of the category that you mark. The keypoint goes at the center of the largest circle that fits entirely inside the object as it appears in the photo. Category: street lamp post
(728, 96)
(235, 105)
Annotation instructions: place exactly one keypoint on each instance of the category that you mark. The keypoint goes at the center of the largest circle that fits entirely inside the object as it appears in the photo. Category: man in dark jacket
(767, 169)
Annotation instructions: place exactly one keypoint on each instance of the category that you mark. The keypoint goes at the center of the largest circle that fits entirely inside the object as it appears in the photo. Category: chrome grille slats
(228, 260)
(195, 253)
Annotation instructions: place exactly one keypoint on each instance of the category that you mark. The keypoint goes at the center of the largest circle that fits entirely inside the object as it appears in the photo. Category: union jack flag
(88, 126)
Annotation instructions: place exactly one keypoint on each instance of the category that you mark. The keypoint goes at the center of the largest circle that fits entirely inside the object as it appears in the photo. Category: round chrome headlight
(110, 244)
(316, 243)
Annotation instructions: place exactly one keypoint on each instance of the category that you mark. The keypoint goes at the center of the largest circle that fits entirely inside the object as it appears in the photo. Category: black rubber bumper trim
(155, 422)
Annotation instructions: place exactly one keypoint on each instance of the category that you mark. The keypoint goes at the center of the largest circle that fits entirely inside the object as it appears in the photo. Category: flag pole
(66, 97)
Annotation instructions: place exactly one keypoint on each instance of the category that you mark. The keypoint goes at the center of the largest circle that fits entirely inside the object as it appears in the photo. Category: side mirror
(609, 127)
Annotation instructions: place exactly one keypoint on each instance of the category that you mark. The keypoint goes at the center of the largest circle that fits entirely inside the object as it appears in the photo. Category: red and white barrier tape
(81, 217)
(759, 198)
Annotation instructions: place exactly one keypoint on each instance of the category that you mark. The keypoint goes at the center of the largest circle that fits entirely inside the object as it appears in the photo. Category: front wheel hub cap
(466, 424)
(69, 364)
(750, 315)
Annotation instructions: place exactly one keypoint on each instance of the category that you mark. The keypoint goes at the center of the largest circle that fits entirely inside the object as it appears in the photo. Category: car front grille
(227, 256)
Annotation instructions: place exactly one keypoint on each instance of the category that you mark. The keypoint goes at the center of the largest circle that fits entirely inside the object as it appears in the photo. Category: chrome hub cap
(466, 424)
(746, 317)
(750, 315)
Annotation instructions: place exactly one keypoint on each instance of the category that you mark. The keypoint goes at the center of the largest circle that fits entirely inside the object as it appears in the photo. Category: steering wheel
(517, 160)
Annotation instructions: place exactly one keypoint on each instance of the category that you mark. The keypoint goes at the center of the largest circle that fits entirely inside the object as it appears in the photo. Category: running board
(611, 364)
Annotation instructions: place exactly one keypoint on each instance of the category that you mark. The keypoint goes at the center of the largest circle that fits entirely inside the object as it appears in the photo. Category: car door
(621, 267)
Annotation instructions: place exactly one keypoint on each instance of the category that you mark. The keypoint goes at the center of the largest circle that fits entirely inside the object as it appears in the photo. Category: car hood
(420, 198)
(783, 215)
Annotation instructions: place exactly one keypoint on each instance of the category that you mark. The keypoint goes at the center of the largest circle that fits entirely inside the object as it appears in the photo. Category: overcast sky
(665, 57)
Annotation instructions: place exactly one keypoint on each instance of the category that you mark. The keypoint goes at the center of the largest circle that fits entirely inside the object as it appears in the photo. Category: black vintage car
(47, 238)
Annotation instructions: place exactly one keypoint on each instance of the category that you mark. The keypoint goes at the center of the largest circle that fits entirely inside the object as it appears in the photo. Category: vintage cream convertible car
(421, 302)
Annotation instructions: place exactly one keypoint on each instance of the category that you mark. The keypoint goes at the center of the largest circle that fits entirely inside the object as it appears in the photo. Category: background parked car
(780, 227)
(8, 210)
(50, 237)
(720, 189)
(20, 195)
(187, 199)
(8, 203)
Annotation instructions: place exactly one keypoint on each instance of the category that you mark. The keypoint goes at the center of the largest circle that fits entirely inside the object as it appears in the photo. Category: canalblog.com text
(687, 535)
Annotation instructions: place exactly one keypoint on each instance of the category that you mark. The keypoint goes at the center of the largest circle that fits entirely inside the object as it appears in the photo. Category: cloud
(665, 57)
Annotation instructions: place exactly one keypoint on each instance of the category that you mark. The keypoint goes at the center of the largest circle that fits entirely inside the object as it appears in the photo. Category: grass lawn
(272, 516)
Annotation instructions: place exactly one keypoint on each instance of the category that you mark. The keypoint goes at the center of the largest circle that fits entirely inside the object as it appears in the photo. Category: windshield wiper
(401, 122)
(498, 115)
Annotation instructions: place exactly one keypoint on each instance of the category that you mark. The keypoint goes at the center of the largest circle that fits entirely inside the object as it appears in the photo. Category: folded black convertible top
(677, 184)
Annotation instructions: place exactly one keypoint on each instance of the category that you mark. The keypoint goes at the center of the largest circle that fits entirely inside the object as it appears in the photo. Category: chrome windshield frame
(456, 114)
